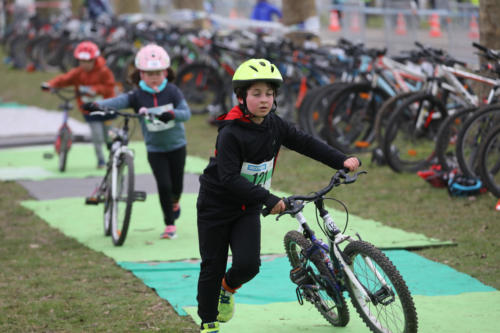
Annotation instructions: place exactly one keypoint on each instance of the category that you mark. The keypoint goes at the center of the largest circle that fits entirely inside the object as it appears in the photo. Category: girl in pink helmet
(165, 143)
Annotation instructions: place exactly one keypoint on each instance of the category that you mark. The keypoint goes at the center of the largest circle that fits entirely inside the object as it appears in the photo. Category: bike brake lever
(295, 209)
(351, 179)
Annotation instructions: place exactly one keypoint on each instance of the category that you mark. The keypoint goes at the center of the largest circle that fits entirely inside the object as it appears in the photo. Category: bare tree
(489, 23)
(295, 12)
(126, 6)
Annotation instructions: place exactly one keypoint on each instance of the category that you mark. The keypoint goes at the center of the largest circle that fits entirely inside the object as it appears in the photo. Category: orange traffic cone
(473, 28)
(233, 14)
(498, 205)
(334, 21)
(435, 26)
(401, 25)
(355, 22)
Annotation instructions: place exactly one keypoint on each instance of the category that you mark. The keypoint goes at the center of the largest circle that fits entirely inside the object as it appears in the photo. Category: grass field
(49, 282)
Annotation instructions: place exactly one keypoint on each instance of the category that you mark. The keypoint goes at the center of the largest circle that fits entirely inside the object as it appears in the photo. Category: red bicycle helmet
(86, 51)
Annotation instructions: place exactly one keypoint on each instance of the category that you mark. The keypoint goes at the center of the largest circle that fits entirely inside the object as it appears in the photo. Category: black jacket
(240, 140)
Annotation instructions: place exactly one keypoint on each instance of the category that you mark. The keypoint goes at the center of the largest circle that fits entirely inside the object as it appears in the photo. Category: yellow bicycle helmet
(254, 70)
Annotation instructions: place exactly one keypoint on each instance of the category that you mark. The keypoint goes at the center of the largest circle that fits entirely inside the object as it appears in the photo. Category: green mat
(465, 313)
(29, 163)
(177, 281)
(84, 223)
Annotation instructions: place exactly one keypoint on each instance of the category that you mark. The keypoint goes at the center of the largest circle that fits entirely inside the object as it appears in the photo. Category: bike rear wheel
(391, 307)
(351, 116)
(202, 87)
(123, 200)
(489, 161)
(329, 302)
(64, 146)
(471, 135)
(410, 136)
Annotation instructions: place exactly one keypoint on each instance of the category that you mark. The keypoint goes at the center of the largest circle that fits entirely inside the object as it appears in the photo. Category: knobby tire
(398, 316)
(324, 299)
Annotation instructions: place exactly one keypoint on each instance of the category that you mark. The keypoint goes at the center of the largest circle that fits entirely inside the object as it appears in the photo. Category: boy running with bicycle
(235, 186)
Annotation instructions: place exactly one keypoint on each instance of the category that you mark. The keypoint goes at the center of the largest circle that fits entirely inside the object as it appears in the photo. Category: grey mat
(82, 187)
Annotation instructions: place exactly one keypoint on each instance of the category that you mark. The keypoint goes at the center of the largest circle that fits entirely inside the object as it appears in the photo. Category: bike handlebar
(110, 111)
(334, 181)
(65, 94)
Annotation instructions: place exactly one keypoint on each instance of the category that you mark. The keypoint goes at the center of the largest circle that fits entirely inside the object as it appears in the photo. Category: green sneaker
(226, 306)
(210, 327)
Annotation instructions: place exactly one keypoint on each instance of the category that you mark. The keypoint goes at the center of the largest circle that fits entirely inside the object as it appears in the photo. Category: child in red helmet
(92, 80)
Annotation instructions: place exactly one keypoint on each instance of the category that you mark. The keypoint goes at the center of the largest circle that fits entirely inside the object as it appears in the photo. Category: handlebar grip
(266, 211)
(480, 47)
(45, 87)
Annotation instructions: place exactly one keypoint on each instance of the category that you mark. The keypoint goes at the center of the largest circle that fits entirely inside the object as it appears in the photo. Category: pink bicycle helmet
(152, 58)
(86, 51)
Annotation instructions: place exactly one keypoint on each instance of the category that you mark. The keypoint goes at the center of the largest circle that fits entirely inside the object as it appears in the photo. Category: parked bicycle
(323, 271)
(117, 188)
(64, 138)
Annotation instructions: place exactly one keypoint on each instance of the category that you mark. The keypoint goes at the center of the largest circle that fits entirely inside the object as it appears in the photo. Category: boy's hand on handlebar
(352, 163)
(278, 208)
(166, 116)
(91, 107)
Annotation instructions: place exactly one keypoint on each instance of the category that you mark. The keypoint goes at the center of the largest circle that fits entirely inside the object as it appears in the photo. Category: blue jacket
(263, 11)
(156, 141)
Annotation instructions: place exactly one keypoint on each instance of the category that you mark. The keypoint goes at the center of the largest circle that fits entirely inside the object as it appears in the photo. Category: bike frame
(332, 250)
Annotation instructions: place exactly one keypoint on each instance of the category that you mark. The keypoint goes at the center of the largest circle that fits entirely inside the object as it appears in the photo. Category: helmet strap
(275, 105)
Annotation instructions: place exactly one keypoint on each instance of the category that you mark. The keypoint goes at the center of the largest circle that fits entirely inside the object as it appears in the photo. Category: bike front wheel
(64, 146)
(123, 200)
(390, 306)
(329, 302)
(108, 207)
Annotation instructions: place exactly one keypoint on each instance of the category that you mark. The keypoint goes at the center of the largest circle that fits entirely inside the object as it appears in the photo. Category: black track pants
(216, 233)
(168, 170)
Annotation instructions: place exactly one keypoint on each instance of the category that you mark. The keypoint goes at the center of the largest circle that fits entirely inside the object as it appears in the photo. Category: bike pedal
(139, 195)
(91, 200)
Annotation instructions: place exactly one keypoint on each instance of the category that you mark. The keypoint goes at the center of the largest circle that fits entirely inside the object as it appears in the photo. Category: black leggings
(241, 232)
(168, 170)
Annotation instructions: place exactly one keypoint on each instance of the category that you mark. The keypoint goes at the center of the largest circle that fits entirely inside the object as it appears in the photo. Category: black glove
(91, 107)
(45, 86)
(166, 116)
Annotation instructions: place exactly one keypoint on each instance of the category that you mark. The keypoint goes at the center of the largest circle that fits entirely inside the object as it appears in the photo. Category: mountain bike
(116, 189)
(323, 271)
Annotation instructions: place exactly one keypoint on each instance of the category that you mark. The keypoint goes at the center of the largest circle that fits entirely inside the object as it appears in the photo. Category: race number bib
(258, 174)
(155, 125)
